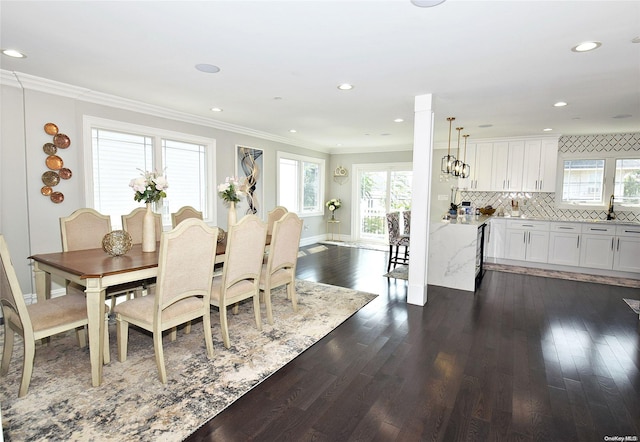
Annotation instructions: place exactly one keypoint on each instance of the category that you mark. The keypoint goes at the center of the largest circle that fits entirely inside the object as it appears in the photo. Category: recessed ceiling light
(398, 120)
(586, 46)
(277, 98)
(622, 116)
(547, 129)
(345, 87)
(293, 131)
(216, 109)
(427, 3)
(485, 125)
(560, 104)
(207, 68)
(13, 53)
(384, 135)
(636, 39)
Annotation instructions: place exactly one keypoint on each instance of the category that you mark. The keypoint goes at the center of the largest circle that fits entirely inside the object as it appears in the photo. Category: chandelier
(451, 165)
(448, 160)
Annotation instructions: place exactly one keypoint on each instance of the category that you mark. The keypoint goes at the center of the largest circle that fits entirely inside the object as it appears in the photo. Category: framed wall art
(249, 169)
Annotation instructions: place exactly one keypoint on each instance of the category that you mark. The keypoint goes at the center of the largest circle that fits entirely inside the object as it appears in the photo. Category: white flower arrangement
(333, 204)
(149, 187)
(231, 190)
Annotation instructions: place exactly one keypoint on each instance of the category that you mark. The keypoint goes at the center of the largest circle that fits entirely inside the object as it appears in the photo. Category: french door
(379, 189)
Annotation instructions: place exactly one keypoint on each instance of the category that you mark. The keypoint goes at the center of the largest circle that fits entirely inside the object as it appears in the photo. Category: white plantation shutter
(186, 172)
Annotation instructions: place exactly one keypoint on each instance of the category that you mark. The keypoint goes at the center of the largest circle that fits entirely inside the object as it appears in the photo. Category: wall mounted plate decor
(61, 141)
(57, 197)
(49, 148)
(54, 162)
(65, 173)
(46, 190)
(50, 178)
(51, 128)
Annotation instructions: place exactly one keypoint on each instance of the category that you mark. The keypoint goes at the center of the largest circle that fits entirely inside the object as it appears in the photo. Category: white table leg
(96, 311)
(43, 283)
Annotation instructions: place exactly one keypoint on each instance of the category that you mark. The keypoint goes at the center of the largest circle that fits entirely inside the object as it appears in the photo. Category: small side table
(332, 224)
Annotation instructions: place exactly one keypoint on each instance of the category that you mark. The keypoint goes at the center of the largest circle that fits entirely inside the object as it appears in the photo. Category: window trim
(90, 122)
(303, 158)
(608, 180)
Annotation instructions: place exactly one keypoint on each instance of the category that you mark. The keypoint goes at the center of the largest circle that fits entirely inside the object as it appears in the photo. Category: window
(301, 184)
(627, 182)
(583, 181)
(120, 151)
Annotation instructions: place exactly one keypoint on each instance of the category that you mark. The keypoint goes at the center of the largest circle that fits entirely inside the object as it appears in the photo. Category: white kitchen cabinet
(564, 244)
(540, 164)
(597, 249)
(479, 157)
(508, 162)
(495, 238)
(626, 256)
(527, 241)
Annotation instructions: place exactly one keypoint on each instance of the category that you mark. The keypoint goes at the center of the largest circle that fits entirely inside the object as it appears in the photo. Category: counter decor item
(333, 204)
(150, 188)
(116, 243)
(488, 210)
(231, 191)
(515, 208)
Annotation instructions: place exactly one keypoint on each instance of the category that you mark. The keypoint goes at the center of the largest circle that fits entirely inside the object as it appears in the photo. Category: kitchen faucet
(610, 214)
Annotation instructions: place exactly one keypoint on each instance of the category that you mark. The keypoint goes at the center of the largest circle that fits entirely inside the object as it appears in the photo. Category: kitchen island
(456, 252)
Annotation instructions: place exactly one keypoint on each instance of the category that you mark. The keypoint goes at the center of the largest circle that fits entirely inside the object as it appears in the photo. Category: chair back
(132, 223)
(14, 309)
(285, 244)
(393, 226)
(185, 263)
(185, 212)
(245, 253)
(84, 229)
(274, 216)
(406, 216)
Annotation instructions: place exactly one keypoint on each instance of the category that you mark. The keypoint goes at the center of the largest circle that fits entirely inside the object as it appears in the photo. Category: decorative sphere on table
(117, 243)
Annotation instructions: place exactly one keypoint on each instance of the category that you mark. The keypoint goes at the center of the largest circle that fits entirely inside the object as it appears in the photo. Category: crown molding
(31, 82)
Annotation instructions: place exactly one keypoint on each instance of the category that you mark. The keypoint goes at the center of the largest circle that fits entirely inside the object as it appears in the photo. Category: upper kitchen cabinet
(540, 165)
(479, 157)
(508, 162)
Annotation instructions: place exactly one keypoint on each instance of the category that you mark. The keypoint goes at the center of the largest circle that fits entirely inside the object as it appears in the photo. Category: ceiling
(498, 63)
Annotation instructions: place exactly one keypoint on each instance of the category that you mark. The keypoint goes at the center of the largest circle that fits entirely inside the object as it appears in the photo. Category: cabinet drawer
(633, 231)
(565, 227)
(598, 229)
(528, 225)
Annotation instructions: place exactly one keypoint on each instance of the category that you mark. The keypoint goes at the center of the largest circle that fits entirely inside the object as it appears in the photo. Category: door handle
(618, 246)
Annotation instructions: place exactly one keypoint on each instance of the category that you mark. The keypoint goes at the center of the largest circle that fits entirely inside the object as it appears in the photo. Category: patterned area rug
(401, 272)
(133, 405)
(634, 304)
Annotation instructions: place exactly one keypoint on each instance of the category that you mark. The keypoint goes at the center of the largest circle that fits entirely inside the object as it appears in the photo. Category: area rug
(634, 304)
(133, 405)
(401, 272)
(584, 277)
(358, 245)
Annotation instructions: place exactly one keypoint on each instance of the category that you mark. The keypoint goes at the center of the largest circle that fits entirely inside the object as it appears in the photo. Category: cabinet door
(482, 173)
(596, 251)
(515, 244)
(531, 168)
(564, 248)
(495, 238)
(500, 166)
(627, 254)
(516, 163)
(548, 166)
(537, 246)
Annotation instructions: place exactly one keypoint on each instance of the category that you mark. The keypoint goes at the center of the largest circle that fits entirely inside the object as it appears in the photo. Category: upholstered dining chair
(183, 213)
(84, 229)
(132, 223)
(240, 277)
(36, 321)
(280, 268)
(273, 216)
(185, 274)
(396, 240)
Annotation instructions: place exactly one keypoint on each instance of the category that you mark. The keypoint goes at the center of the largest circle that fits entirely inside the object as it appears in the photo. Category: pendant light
(447, 161)
(466, 169)
(457, 165)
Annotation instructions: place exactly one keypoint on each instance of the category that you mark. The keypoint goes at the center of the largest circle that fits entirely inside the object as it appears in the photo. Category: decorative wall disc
(46, 190)
(57, 197)
(61, 141)
(65, 173)
(54, 162)
(51, 128)
(49, 148)
(50, 178)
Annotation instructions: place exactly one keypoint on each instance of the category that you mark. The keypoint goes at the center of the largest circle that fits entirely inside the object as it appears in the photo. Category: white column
(421, 199)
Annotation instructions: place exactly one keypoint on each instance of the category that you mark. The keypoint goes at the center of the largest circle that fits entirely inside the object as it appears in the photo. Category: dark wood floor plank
(525, 358)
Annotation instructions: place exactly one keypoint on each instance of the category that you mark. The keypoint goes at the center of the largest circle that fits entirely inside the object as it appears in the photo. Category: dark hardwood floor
(526, 359)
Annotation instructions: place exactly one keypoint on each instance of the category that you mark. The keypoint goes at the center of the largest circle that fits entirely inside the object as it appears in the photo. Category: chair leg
(9, 337)
(390, 258)
(395, 258)
(235, 308)
(256, 309)
(81, 335)
(187, 328)
(206, 326)
(266, 294)
(224, 326)
(27, 366)
(157, 345)
(106, 355)
(122, 336)
(291, 292)
(173, 334)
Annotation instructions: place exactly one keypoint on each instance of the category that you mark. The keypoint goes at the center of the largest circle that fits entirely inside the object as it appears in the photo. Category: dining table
(96, 270)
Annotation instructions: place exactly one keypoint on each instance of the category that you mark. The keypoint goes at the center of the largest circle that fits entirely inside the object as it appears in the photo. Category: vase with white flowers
(333, 204)
(149, 187)
(231, 191)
